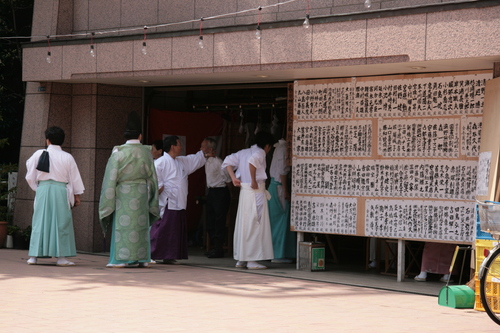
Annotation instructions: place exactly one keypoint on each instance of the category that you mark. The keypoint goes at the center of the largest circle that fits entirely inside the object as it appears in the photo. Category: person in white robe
(157, 149)
(218, 201)
(57, 191)
(252, 233)
(169, 238)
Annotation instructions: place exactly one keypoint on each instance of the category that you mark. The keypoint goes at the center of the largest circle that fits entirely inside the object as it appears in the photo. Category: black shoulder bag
(43, 162)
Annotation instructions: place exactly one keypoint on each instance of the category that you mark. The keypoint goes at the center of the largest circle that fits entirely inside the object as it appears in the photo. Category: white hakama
(252, 233)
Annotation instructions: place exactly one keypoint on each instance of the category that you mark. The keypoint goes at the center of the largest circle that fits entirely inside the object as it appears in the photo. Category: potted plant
(5, 194)
(3, 225)
(26, 234)
(22, 238)
(11, 231)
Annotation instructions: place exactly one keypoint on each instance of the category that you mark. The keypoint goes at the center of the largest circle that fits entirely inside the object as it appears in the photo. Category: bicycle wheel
(490, 287)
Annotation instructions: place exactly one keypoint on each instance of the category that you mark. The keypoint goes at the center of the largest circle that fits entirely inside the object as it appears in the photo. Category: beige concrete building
(89, 96)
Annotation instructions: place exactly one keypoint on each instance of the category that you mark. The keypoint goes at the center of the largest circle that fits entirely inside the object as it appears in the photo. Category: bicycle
(489, 272)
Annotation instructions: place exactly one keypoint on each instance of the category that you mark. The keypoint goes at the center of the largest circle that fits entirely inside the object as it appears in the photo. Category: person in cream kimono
(252, 233)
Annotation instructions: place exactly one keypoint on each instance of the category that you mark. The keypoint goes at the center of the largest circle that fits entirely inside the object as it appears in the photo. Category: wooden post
(401, 260)
(496, 69)
(300, 238)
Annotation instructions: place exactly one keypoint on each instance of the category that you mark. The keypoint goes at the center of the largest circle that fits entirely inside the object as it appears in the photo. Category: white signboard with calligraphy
(393, 157)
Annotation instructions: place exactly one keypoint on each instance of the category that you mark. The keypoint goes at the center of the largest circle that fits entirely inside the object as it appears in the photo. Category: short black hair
(55, 135)
(169, 141)
(262, 139)
(158, 144)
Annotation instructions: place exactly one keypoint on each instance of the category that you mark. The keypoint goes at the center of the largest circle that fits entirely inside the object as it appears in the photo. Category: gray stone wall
(93, 117)
(91, 15)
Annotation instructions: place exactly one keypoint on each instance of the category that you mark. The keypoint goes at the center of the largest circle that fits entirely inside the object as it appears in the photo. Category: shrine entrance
(230, 114)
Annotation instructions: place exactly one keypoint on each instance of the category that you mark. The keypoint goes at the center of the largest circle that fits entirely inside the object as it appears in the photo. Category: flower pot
(3, 233)
(9, 243)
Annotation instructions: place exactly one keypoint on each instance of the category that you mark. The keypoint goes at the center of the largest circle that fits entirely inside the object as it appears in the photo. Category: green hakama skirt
(52, 232)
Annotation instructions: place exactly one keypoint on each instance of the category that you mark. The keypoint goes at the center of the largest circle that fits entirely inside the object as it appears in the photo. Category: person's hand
(237, 182)
(287, 196)
(161, 189)
(254, 185)
(77, 200)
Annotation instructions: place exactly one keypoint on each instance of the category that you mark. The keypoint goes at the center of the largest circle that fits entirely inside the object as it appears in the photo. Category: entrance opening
(231, 114)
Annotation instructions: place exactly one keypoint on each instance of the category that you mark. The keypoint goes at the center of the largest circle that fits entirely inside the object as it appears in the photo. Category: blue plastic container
(481, 234)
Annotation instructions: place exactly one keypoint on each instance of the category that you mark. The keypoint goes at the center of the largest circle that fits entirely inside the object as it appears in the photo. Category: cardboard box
(311, 256)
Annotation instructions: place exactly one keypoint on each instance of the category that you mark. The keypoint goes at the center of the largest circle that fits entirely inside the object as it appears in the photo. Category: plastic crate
(493, 300)
(481, 245)
(492, 288)
(478, 305)
(492, 294)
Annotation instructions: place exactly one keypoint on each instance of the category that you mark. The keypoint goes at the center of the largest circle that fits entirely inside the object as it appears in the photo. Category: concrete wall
(443, 35)
(91, 15)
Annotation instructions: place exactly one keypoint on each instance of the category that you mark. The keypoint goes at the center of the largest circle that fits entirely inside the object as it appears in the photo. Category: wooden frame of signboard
(490, 136)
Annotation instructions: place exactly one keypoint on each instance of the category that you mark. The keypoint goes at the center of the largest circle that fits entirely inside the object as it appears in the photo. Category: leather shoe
(215, 254)
(168, 262)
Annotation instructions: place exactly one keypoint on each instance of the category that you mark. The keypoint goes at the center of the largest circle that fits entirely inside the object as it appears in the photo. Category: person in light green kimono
(129, 199)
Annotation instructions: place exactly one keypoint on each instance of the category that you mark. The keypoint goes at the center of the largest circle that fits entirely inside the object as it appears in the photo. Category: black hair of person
(169, 141)
(55, 135)
(158, 144)
(262, 139)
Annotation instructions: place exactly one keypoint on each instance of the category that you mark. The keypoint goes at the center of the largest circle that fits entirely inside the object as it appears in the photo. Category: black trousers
(217, 206)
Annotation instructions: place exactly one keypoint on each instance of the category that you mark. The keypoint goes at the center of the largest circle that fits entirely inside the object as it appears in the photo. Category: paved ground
(201, 297)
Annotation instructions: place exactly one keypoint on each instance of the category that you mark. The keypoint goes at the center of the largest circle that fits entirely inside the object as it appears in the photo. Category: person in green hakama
(284, 240)
(129, 199)
(58, 187)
